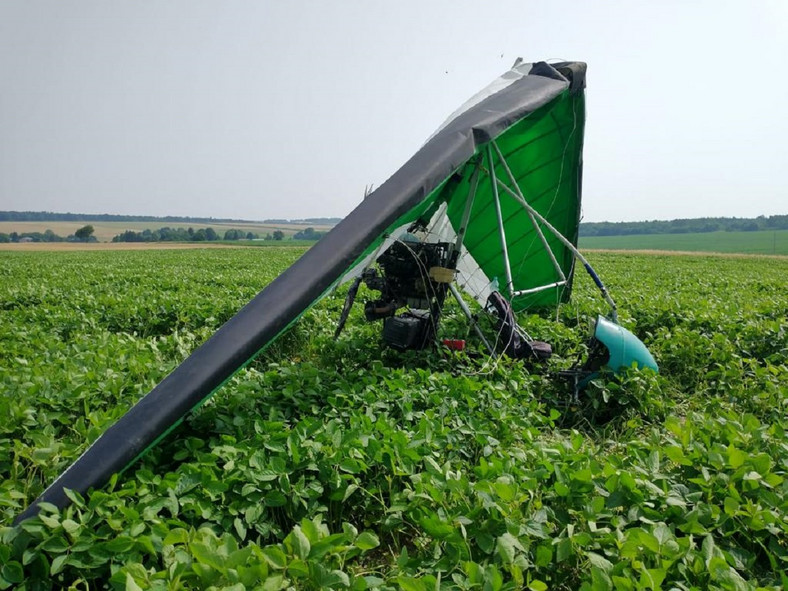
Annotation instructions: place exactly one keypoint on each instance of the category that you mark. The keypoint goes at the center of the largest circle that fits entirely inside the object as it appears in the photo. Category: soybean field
(344, 465)
(765, 242)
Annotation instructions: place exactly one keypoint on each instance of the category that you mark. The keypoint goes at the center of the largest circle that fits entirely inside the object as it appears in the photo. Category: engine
(412, 275)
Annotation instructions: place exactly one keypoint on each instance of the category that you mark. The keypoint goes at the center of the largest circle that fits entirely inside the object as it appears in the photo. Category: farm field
(106, 231)
(759, 242)
(99, 246)
(342, 465)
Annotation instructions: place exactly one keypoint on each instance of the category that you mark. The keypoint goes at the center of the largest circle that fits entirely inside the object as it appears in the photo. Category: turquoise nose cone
(624, 347)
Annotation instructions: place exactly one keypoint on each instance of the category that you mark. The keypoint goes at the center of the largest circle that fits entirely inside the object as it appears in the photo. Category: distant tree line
(685, 226)
(83, 234)
(168, 234)
(308, 234)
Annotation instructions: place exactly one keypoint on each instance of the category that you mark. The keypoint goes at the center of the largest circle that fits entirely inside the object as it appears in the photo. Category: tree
(279, 235)
(308, 234)
(84, 233)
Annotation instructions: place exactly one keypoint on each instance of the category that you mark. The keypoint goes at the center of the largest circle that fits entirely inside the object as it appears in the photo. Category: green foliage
(684, 226)
(168, 234)
(342, 465)
(753, 242)
(47, 236)
(308, 234)
(84, 233)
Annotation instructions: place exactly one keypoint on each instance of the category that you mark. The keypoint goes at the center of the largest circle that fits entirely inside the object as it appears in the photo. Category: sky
(288, 109)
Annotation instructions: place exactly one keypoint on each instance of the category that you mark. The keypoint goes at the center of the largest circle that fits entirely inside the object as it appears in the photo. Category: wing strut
(501, 232)
(518, 196)
(466, 214)
(549, 250)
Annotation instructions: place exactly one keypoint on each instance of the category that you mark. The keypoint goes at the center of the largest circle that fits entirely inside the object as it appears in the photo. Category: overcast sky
(288, 109)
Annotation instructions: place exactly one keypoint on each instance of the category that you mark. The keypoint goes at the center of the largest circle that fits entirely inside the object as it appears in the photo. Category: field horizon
(745, 241)
(106, 231)
(767, 242)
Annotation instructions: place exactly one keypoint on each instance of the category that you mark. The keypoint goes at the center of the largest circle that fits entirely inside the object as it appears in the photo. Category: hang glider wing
(502, 171)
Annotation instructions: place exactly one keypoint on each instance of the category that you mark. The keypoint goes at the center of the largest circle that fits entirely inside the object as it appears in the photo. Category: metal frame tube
(501, 232)
(467, 311)
(569, 245)
(466, 214)
(521, 292)
(542, 237)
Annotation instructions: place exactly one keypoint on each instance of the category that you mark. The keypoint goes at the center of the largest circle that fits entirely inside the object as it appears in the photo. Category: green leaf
(240, 528)
(275, 557)
(544, 555)
(176, 536)
(75, 497)
(206, 555)
(622, 584)
(436, 527)
(274, 583)
(662, 533)
(119, 545)
(299, 542)
(563, 549)
(367, 540)
(335, 542)
(56, 545)
(432, 466)
(336, 577)
(651, 578)
(600, 580)
(275, 498)
(13, 572)
(410, 584)
(50, 521)
(70, 526)
(311, 530)
(373, 582)
(349, 491)
(505, 491)
(494, 578)
(648, 541)
(708, 549)
(131, 584)
(736, 457)
(57, 564)
(600, 562)
(298, 569)
(507, 545)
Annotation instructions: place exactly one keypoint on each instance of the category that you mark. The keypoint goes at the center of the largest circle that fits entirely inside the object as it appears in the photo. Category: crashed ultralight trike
(492, 200)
